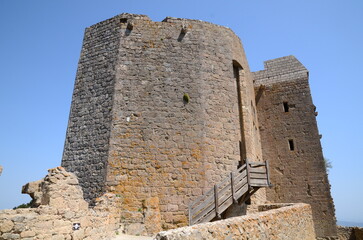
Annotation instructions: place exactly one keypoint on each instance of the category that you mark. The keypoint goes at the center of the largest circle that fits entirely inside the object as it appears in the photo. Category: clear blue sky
(40, 43)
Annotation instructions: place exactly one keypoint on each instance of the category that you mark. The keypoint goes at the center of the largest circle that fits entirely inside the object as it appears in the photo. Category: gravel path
(131, 237)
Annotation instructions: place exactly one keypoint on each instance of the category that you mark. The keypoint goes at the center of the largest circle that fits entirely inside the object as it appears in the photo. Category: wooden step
(237, 187)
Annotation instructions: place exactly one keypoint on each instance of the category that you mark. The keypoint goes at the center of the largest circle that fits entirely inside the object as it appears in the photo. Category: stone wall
(129, 116)
(350, 233)
(58, 204)
(160, 145)
(287, 222)
(159, 110)
(291, 140)
(86, 145)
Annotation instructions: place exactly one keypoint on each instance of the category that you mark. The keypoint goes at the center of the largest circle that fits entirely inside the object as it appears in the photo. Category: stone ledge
(286, 222)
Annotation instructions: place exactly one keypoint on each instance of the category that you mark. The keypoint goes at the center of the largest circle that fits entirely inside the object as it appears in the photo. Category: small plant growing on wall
(328, 165)
(25, 205)
(186, 98)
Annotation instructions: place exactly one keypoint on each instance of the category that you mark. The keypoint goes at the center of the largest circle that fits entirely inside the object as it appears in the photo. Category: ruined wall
(60, 204)
(128, 113)
(285, 223)
(86, 146)
(350, 233)
(291, 141)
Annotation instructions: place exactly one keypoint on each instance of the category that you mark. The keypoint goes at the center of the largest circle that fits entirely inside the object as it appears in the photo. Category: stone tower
(158, 114)
(291, 140)
(161, 111)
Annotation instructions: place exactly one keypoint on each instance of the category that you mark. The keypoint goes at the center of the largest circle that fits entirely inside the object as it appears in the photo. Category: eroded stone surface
(60, 204)
(291, 140)
(34, 190)
(350, 233)
(286, 223)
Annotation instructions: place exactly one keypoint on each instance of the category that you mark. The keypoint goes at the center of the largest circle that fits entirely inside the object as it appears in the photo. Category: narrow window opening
(237, 70)
(291, 145)
(123, 20)
(286, 107)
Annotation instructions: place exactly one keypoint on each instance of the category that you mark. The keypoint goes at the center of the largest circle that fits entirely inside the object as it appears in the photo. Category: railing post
(248, 200)
(232, 188)
(248, 174)
(268, 173)
(190, 214)
(216, 201)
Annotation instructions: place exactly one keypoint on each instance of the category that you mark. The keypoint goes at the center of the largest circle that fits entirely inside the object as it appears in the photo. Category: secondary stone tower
(291, 140)
(161, 111)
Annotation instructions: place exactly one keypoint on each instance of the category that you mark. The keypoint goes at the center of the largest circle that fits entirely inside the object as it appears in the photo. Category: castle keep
(161, 111)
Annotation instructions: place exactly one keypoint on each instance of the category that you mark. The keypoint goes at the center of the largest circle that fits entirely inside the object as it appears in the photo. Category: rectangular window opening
(291, 145)
(123, 20)
(286, 107)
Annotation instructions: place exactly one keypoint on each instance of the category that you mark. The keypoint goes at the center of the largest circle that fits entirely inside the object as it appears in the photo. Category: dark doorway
(238, 74)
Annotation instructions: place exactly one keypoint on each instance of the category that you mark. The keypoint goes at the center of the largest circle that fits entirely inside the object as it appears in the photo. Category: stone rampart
(60, 205)
(292, 222)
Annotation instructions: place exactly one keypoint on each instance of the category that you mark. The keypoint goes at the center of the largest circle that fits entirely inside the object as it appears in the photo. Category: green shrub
(25, 205)
(186, 98)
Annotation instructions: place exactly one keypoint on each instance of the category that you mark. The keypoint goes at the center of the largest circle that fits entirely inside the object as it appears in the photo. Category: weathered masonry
(162, 111)
(291, 140)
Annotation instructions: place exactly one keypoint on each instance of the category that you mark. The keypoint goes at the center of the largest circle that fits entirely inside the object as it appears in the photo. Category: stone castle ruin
(163, 112)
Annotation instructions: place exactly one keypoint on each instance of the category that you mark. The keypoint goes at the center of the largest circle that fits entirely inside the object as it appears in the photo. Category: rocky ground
(131, 237)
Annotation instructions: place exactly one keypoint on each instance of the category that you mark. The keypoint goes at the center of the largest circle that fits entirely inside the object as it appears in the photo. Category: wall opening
(291, 145)
(237, 70)
(123, 20)
(286, 106)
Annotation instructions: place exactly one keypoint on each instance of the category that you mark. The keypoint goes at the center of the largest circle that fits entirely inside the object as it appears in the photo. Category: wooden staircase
(236, 188)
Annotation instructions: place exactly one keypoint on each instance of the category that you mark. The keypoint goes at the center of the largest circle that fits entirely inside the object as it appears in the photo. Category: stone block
(78, 235)
(27, 234)
(10, 236)
(135, 229)
(6, 226)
